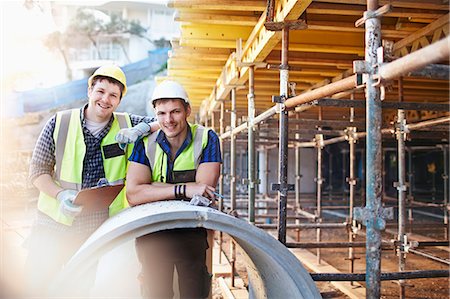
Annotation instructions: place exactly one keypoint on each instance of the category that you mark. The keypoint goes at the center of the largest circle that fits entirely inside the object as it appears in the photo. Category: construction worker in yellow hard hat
(76, 149)
(113, 72)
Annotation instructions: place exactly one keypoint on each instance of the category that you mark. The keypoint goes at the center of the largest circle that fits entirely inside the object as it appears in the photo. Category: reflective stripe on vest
(189, 159)
(70, 150)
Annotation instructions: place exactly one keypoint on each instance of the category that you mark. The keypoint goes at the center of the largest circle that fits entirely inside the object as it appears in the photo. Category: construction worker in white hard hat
(76, 149)
(175, 163)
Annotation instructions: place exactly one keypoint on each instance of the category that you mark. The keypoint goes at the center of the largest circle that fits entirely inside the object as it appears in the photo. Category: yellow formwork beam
(217, 19)
(192, 65)
(206, 43)
(321, 48)
(240, 5)
(193, 73)
(212, 31)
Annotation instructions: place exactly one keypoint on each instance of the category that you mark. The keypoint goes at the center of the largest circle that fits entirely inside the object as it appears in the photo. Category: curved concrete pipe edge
(274, 272)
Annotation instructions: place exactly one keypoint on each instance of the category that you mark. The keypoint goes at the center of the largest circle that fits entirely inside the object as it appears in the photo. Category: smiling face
(104, 97)
(172, 117)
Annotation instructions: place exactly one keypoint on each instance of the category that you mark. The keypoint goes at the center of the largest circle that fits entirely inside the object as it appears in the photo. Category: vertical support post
(298, 175)
(445, 151)
(401, 187)
(344, 172)
(251, 145)
(233, 177)
(264, 174)
(213, 120)
(330, 175)
(363, 174)
(222, 171)
(373, 158)
(351, 131)
(283, 139)
(411, 184)
(319, 181)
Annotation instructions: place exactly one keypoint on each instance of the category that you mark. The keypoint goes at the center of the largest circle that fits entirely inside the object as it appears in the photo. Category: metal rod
(373, 158)
(297, 174)
(383, 276)
(330, 102)
(305, 225)
(433, 71)
(401, 188)
(222, 172)
(330, 175)
(428, 123)
(436, 52)
(233, 177)
(321, 92)
(266, 172)
(283, 142)
(445, 150)
(410, 197)
(429, 256)
(319, 182)
(351, 183)
(233, 151)
(251, 145)
(332, 245)
(242, 127)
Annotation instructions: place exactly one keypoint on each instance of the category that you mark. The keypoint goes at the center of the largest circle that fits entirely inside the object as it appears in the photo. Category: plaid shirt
(43, 162)
(211, 153)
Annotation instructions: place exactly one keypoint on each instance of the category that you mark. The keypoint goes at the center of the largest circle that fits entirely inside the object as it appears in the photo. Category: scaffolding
(375, 75)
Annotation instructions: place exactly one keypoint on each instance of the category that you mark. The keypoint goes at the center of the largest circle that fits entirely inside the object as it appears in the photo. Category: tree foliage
(91, 24)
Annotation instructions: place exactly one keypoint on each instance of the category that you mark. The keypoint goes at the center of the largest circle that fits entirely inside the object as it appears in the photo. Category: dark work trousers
(159, 253)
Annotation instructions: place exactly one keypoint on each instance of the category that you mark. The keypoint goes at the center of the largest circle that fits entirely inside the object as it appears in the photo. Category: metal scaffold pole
(251, 146)
(222, 169)
(319, 182)
(373, 157)
(283, 141)
(233, 176)
(401, 187)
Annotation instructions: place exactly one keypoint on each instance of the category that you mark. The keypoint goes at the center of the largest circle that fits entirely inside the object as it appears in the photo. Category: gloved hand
(131, 135)
(198, 200)
(66, 205)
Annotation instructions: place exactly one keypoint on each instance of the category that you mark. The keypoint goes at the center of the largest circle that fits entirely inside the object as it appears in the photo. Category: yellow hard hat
(111, 71)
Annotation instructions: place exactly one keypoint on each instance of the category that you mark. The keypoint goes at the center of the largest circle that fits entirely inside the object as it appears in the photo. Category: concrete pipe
(274, 272)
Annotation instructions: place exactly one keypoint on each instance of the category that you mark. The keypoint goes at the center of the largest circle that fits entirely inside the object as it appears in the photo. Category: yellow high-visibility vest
(188, 160)
(70, 150)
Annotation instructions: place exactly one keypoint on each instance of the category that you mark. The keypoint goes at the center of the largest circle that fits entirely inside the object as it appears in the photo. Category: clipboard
(97, 198)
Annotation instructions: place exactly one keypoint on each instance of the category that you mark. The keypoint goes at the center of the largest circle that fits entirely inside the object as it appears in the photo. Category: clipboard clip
(103, 182)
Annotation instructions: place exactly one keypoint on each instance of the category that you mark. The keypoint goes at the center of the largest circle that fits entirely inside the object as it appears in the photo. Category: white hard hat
(169, 90)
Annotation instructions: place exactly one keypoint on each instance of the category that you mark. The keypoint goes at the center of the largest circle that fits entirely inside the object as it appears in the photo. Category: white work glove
(198, 200)
(131, 135)
(66, 205)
